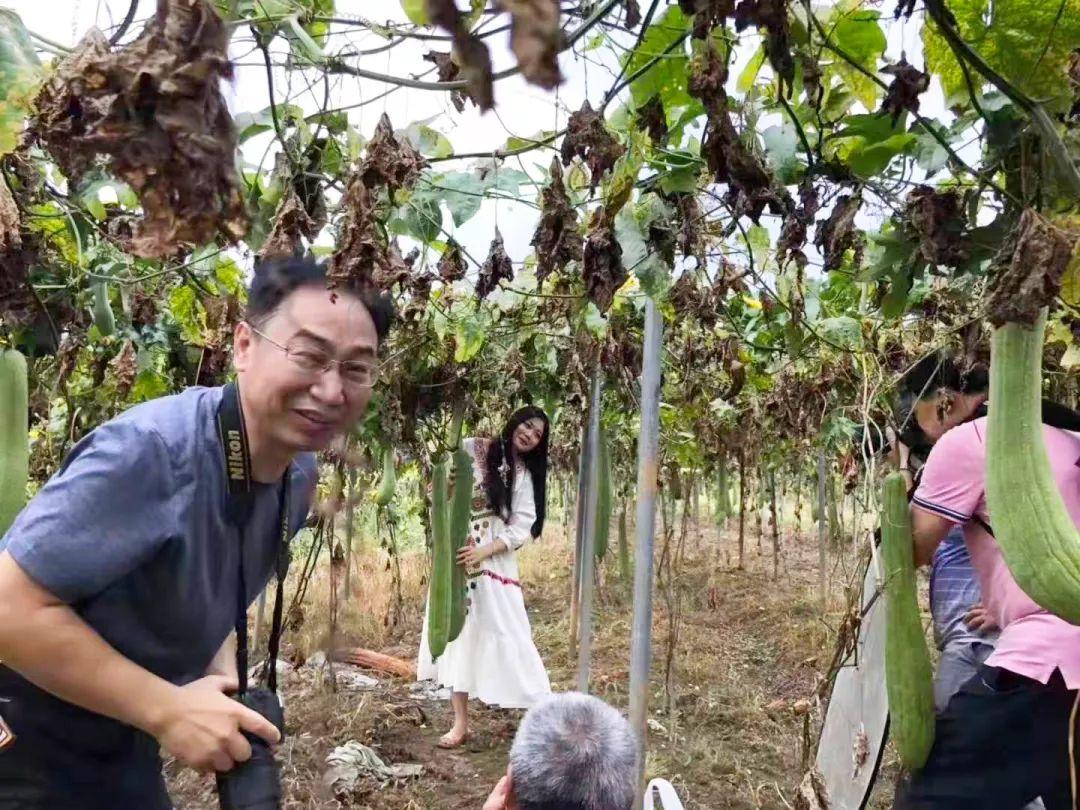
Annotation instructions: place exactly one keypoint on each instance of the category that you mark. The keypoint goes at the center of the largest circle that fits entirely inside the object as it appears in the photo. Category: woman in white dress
(494, 658)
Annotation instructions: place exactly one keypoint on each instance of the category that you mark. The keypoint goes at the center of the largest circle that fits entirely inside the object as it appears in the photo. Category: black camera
(255, 784)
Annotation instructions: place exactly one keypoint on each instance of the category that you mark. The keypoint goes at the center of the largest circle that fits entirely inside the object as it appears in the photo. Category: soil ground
(731, 734)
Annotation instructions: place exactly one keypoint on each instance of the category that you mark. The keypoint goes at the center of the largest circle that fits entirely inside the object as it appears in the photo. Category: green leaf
(416, 11)
(869, 159)
(758, 243)
(468, 338)
(844, 331)
(514, 142)
(594, 321)
(149, 384)
(20, 74)
(929, 154)
(894, 301)
(463, 193)
(249, 124)
(230, 277)
(509, 180)
(1027, 41)
(749, 74)
(655, 278)
(428, 142)
(667, 78)
(188, 314)
(422, 218)
(858, 34)
(679, 180)
(793, 338)
(869, 143)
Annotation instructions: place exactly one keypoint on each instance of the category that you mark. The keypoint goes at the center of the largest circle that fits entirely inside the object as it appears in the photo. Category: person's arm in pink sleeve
(950, 490)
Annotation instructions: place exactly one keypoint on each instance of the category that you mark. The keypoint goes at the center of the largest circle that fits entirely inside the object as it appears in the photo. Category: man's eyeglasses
(312, 361)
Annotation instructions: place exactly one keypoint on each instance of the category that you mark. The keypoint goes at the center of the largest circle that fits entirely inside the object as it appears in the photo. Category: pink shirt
(1033, 642)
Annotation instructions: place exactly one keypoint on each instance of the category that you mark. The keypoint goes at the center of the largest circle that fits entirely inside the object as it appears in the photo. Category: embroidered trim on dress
(501, 579)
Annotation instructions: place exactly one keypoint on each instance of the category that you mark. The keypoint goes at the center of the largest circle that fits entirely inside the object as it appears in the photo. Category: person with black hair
(494, 658)
(122, 581)
(1007, 736)
(934, 396)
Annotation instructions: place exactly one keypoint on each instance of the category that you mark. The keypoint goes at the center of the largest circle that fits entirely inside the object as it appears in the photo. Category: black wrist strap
(239, 505)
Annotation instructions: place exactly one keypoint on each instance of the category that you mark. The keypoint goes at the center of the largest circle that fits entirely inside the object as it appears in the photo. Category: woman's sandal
(446, 741)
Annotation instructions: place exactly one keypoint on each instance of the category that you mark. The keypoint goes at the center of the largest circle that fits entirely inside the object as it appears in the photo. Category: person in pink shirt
(1004, 739)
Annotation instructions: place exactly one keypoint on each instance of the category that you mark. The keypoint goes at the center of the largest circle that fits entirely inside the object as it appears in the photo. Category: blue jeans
(959, 662)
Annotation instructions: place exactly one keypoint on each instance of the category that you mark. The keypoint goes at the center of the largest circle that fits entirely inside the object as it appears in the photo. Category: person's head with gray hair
(571, 752)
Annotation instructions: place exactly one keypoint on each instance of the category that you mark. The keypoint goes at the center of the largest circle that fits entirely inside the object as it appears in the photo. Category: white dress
(494, 658)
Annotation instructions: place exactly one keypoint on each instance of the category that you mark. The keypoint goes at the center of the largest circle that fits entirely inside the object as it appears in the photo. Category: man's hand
(202, 726)
(502, 797)
(978, 619)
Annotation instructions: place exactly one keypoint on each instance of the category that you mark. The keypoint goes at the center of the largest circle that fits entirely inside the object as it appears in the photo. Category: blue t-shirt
(954, 588)
(132, 533)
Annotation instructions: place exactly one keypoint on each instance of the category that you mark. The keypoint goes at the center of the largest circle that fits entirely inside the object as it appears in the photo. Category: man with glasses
(118, 582)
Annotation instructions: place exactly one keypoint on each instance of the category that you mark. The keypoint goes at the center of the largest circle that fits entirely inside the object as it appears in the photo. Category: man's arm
(43, 639)
(46, 642)
(224, 660)
(928, 530)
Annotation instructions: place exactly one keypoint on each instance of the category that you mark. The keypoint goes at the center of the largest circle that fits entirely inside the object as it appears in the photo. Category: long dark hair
(500, 488)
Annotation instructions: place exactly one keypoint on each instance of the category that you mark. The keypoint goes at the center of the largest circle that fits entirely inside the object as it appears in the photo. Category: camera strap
(238, 509)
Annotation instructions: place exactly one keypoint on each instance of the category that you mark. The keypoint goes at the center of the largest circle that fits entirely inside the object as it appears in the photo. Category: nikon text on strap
(238, 508)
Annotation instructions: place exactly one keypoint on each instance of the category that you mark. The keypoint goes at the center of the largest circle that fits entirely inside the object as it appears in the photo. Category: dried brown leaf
(124, 368)
(633, 13)
(448, 71)
(603, 268)
(17, 254)
(812, 75)
(291, 223)
(363, 259)
(587, 138)
(707, 14)
(652, 119)
(708, 75)
(689, 214)
(475, 60)
(388, 162)
(796, 224)
(771, 17)
(556, 238)
(143, 308)
(1036, 259)
(496, 267)
(904, 90)
(535, 39)
(154, 109)
(452, 264)
(837, 234)
(937, 218)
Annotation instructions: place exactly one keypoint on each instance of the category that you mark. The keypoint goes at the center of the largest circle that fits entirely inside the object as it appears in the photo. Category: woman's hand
(899, 453)
(978, 618)
(471, 556)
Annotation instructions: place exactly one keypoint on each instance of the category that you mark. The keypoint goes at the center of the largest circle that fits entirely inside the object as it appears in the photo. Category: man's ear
(242, 338)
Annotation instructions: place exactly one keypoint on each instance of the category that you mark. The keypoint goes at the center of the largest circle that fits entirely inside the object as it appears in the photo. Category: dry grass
(750, 647)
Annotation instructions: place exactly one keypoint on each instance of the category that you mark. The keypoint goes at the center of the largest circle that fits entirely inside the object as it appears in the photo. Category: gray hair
(574, 752)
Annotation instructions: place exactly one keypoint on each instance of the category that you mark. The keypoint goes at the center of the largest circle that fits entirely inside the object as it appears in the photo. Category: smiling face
(296, 397)
(526, 436)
